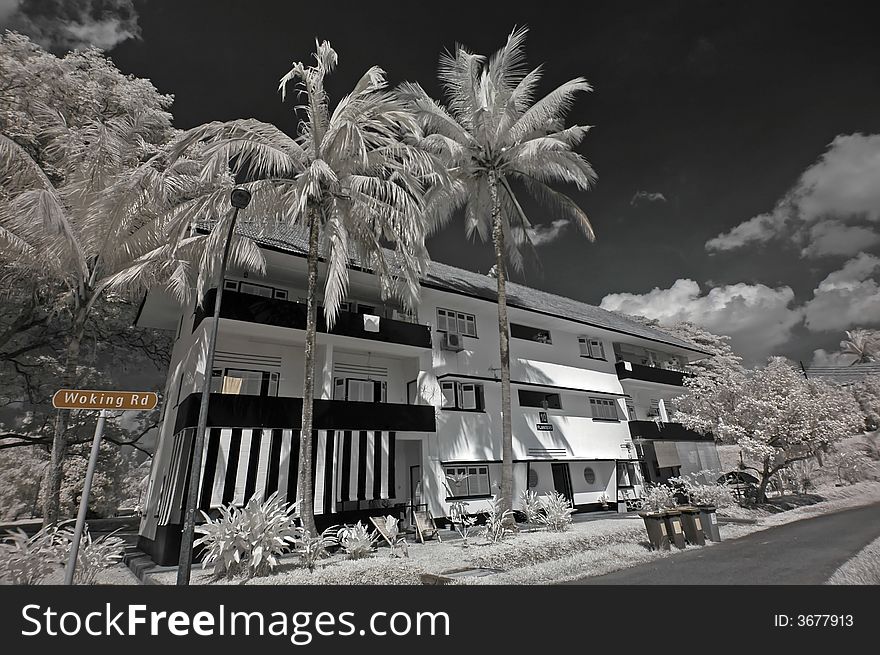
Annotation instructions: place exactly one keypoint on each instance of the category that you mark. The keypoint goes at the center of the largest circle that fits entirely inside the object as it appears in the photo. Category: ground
(597, 544)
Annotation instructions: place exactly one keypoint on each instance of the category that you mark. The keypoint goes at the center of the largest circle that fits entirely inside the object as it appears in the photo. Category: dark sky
(718, 106)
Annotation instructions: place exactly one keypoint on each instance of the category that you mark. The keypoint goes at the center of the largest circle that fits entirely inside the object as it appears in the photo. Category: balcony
(664, 432)
(283, 313)
(235, 411)
(631, 371)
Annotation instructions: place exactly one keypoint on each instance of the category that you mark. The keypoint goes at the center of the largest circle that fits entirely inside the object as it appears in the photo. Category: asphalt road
(803, 552)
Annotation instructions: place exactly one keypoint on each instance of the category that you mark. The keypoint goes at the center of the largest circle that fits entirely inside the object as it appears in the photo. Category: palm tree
(90, 216)
(861, 344)
(493, 135)
(346, 179)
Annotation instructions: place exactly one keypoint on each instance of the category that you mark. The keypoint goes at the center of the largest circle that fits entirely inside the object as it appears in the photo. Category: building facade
(407, 409)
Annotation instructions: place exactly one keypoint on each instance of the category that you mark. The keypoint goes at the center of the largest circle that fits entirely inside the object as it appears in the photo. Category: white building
(403, 401)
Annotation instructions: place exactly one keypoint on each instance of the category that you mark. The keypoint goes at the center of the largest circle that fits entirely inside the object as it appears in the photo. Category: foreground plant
(313, 547)
(556, 511)
(464, 523)
(249, 540)
(657, 497)
(356, 541)
(27, 560)
(531, 507)
(396, 537)
(498, 521)
(93, 556)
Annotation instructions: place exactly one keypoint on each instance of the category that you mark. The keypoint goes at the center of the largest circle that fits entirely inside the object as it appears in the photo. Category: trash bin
(710, 522)
(655, 525)
(692, 525)
(673, 527)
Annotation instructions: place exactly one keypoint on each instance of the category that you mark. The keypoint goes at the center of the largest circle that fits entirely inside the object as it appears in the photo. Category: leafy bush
(357, 541)
(249, 540)
(556, 511)
(658, 497)
(398, 539)
(531, 506)
(703, 493)
(314, 547)
(497, 521)
(93, 555)
(27, 560)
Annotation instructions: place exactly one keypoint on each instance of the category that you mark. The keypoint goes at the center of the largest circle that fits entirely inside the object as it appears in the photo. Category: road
(803, 552)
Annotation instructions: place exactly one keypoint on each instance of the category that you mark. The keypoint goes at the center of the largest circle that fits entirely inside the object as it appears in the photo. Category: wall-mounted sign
(118, 400)
(542, 417)
(545, 427)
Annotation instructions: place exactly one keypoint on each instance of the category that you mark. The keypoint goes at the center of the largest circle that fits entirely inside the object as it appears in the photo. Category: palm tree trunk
(305, 483)
(504, 349)
(55, 470)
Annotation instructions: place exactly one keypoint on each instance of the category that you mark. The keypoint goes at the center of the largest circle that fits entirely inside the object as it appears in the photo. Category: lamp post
(239, 200)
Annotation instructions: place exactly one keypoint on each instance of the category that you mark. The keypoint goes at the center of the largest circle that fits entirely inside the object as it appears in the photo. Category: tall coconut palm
(92, 216)
(349, 182)
(496, 138)
(862, 344)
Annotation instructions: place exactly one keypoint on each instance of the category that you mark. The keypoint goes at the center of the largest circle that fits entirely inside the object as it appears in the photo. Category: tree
(862, 344)
(346, 179)
(775, 415)
(493, 135)
(88, 202)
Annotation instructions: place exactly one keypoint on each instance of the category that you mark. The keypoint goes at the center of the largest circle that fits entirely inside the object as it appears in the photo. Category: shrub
(556, 512)
(27, 560)
(531, 506)
(703, 493)
(249, 540)
(398, 540)
(314, 547)
(658, 497)
(497, 521)
(93, 555)
(356, 541)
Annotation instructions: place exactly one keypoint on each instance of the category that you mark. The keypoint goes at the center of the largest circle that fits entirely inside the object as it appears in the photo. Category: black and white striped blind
(240, 462)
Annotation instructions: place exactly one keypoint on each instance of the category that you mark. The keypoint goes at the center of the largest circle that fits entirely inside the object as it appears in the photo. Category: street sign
(118, 400)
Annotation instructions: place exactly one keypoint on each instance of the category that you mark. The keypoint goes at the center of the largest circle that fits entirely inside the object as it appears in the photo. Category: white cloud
(841, 189)
(756, 317)
(848, 297)
(61, 25)
(646, 196)
(541, 235)
(822, 357)
(833, 237)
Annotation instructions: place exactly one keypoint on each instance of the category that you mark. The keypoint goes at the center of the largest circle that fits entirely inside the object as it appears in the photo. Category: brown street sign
(118, 400)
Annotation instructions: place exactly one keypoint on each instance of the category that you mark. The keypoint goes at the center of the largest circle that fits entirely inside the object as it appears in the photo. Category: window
(592, 348)
(589, 475)
(359, 390)
(255, 289)
(467, 481)
(529, 333)
(450, 321)
(630, 409)
(654, 409)
(605, 409)
(532, 478)
(626, 474)
(244, 382)
(463, 395)
(412, 392)
(537, 398)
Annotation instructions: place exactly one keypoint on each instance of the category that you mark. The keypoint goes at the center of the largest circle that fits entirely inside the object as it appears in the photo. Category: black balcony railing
(664, 432)
(283, 313)
(632, 371)
(240, 411)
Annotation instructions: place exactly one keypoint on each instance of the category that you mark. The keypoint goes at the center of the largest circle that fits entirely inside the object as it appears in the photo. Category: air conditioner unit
(452, 341)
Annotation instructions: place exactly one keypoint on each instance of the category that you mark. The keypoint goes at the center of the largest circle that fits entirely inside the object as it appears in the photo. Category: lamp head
(240, 198)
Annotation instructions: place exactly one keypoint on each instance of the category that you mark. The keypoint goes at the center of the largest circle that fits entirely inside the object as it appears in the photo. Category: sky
(737, 144)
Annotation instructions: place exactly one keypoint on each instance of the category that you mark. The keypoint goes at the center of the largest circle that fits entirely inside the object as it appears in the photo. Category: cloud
(541, 235)
(833, 237)
(61, 25)
(756, 317)
(822, 357)
(834, 202)
(646, 196)
(847, 297)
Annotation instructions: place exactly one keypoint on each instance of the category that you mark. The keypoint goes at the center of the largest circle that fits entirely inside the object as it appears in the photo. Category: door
(562, 480)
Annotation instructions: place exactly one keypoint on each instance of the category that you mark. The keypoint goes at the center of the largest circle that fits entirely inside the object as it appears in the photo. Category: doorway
(562, 480)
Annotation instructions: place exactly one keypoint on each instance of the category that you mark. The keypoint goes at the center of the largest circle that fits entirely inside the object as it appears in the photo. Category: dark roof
(458, 280)
(843, 374)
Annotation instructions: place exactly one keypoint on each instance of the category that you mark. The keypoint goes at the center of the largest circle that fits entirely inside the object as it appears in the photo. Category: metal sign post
(84, 501)
(103, 401)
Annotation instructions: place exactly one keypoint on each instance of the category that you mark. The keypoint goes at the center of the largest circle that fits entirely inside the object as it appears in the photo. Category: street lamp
(239, 200)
